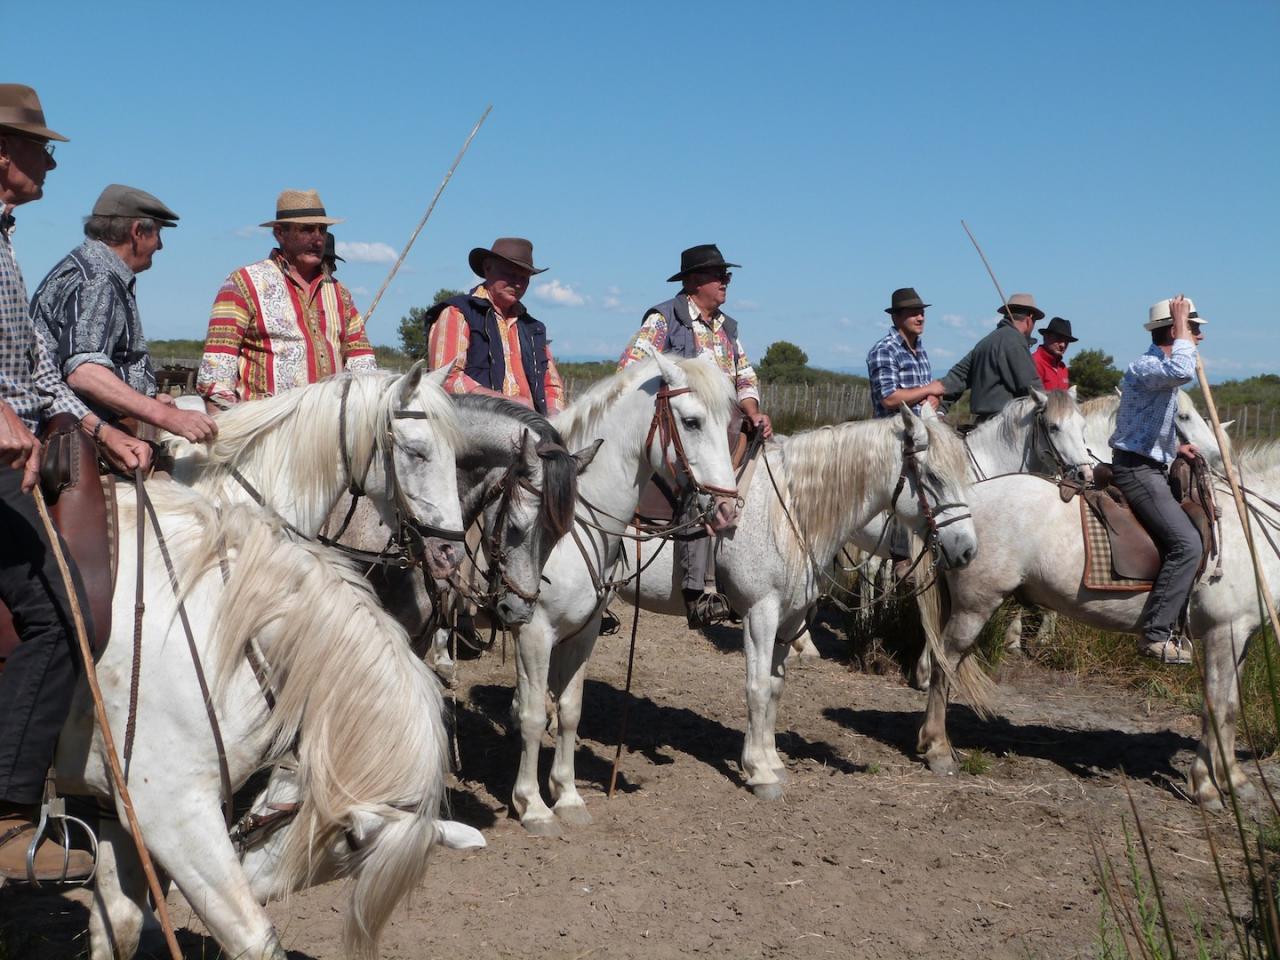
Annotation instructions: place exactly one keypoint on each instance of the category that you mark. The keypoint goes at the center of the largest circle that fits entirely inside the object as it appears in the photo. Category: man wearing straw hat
(282, 322)
(1145, 442)
(493, 344)
(999, 368)
(40, 674)
(88, 311)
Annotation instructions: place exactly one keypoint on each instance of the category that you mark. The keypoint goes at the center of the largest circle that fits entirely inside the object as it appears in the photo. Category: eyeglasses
(724, 276)
(47, 146)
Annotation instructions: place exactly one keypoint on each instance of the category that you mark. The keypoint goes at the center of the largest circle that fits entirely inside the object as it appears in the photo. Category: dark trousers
(40, 677)
(695, 557)
(1146, 486)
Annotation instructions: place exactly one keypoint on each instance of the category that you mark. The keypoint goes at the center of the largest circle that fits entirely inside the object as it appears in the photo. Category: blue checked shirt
(1146, 423)
(892, 366)
(29, 380)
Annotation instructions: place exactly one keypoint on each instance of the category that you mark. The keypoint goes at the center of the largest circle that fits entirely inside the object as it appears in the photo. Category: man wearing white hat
(282, 322)
(87, 309)
(1145, 442)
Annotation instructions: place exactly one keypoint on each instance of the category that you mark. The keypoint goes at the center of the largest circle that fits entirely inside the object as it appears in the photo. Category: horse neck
(994, 452)
(856, 485)
(621, 467)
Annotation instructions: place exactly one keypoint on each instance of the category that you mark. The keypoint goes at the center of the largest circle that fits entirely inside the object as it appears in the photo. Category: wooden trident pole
(1229, 468)
(1003, 299)
(423, 222)
(108, 742)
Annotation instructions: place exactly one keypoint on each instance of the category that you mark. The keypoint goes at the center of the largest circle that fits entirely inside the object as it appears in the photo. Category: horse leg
(568, 672)
(1013, 631)
(933, 744)
(118, 908)
(759, 632)
(533, 660)
(1215, 765)
(777, 682)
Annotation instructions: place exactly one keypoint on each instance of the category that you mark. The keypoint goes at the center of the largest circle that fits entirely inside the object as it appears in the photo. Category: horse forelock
(1060, 406)
(1104, 406)
(435, 404)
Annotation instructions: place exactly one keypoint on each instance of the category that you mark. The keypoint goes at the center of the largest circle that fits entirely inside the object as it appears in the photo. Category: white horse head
(935, 490)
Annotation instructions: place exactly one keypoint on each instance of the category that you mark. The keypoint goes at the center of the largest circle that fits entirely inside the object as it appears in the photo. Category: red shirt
(1053, 372)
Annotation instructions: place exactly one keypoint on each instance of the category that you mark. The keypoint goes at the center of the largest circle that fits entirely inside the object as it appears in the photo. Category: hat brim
(1036, 313)
(476, 258)
(1045, 331)
(327, 221)
(905, 306)
(1168, 322)
(34, 130)
(703, 266)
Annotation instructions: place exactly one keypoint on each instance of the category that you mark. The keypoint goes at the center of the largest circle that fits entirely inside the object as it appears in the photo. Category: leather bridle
(663, 426)
(928, 511)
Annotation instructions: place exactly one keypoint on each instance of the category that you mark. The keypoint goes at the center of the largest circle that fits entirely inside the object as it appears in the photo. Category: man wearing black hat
(40, 675)
(692, 324)
(331, 257)
(1048, 356)
(87, 309)
(897, 366)
(494, 345)
(999, 367)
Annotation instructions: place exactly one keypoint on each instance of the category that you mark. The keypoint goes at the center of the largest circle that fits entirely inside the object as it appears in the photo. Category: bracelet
(97, 431)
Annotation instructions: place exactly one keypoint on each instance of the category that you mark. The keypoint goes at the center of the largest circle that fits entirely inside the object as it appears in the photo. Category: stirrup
(53, 808)
(708, 608)
(1171, 650)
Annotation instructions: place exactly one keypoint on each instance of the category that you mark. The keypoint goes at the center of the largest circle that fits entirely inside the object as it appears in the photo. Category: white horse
(1036, 553)
(390, 436)
(361, 712)
(553, 647)
(829, 483)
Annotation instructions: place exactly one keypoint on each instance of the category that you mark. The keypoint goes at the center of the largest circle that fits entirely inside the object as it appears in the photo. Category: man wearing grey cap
(87, 309)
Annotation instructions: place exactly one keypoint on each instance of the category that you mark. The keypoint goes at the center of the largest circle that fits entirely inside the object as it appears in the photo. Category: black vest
(486, 362)
(681, 339)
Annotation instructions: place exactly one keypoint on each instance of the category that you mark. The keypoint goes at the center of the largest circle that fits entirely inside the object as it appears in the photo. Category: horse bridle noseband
(911, 468)
(664, 426)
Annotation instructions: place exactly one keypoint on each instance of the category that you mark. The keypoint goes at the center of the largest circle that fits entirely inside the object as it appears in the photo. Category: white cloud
(361, 252)
(845, 322)
(561, 294)
(250, 231)
(745, 305)
(955, 321)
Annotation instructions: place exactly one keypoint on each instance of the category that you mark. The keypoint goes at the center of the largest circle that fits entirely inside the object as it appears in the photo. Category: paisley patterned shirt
(270, 332)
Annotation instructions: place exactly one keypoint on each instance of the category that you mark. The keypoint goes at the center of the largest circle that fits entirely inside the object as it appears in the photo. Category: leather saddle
(1134, 555)
(660, 505)
(82, 505)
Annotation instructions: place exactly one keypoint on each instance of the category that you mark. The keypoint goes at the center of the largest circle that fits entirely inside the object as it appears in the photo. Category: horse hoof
(574, 816)
(542, 828)
(943, 766)
(783, 776)
(767, 791)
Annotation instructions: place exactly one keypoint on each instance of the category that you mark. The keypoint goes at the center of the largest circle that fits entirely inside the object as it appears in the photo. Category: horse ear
(672, 375)
(458, 836)
(1071, 392)
(1225, 424)
(1118, 391)
(584, 456)
(409, 384)
(914, 426)
(1040, 397)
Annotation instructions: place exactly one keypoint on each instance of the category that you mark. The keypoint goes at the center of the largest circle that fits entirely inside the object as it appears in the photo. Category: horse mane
(361, 710)
(828, 468)
(559, 469)
(312, 452)
(1103, 406)
(1008, 421)
(580, 421)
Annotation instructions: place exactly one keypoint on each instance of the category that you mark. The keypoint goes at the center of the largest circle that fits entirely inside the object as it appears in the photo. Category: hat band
(21, 115)
(304, 212)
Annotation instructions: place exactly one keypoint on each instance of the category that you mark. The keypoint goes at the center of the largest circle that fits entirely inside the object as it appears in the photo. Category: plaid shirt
(1146, 421)
(892, 365)
(712, 339)
(29, 381)
(88, 313)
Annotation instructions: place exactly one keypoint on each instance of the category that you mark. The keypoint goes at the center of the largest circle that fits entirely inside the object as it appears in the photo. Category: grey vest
(681, 340)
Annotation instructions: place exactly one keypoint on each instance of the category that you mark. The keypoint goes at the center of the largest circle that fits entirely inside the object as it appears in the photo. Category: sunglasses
(724, 276)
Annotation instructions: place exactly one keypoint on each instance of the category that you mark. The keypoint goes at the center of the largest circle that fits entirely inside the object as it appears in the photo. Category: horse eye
(1055, 429)
(691, 423)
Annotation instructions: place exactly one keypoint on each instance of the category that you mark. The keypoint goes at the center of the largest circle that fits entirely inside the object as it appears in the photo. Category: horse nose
(513, 612)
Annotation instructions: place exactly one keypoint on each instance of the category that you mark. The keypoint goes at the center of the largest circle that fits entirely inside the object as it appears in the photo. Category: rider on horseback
(1145, 442)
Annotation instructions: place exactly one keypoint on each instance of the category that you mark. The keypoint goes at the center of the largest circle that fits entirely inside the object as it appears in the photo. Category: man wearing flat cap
(282, 322)
(1048, 357)
(999, 368)
(692, 324)
(40, 675)
(87, 310)
(897, 365)
(493, 345)
(1145, 442)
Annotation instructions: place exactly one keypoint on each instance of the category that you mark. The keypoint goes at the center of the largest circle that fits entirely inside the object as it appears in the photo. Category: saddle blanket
(1099, 572)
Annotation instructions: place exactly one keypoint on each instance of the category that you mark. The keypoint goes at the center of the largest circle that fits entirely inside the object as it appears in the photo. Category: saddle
(82, 505)
(660, 505)
(1120, 554)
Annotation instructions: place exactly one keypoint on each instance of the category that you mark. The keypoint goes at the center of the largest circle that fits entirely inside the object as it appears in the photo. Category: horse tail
(392, 864)
(968, 677)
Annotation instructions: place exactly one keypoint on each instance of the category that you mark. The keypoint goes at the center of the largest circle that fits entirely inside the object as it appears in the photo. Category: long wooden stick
(100, 711)
(990, 272)
(423, 222)
(1229, 468)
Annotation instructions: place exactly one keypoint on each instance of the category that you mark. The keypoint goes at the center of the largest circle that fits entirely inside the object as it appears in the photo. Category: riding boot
(51, 862)
(705, 607)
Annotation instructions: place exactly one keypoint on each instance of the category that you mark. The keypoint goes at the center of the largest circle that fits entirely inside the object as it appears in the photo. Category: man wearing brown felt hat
(87, 309)
(283, 322)
(999, 367)
(40, 675)
(494, 345)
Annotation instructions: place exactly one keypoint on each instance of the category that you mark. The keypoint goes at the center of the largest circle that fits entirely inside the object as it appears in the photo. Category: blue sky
(1106, 155)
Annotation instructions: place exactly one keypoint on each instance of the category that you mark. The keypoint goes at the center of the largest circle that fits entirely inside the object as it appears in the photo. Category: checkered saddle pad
(1099, 571)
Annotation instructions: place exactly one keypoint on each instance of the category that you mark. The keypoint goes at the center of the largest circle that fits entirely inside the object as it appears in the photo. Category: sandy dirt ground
(868, 855)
